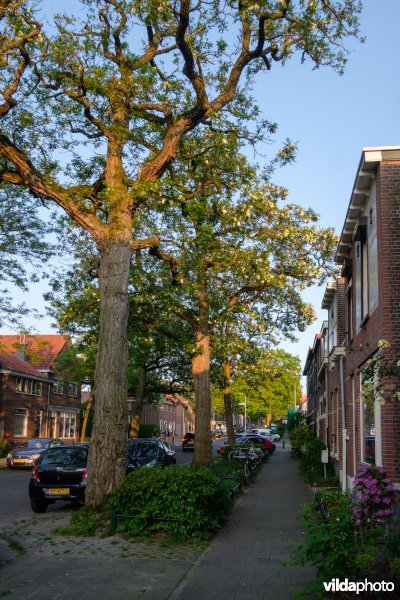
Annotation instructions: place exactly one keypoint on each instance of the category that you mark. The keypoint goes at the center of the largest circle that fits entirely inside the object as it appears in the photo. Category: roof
(41, 350)
(370, 159)
(176, 399)
(13, 363)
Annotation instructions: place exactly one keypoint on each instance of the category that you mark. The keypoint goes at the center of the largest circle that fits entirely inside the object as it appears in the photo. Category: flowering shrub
(372, 506)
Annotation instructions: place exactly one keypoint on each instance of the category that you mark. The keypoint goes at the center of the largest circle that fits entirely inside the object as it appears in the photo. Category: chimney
(20, 351)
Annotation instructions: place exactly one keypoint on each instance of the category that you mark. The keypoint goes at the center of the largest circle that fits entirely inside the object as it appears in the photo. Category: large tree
(236, 257)
(94, 111)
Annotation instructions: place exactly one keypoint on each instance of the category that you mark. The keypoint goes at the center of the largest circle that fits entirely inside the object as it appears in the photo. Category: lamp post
(245, 407)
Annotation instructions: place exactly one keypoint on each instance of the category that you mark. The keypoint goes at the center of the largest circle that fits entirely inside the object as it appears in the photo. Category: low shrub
(5, 448)
(334, 546)
(84, 522)
(373, 502)
(299, 437)
(146, 430)
(181, 501)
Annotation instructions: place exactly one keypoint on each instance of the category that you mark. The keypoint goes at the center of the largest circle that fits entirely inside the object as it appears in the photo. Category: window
(58, 386)
(66, 425)
(38, 424)
(370, 420)
(21, 421)
(37, 387)
(53, 424)
(366, 262)
(349, 312)
(29, 386)
(361, 265)
(368, 433)
(72, 389)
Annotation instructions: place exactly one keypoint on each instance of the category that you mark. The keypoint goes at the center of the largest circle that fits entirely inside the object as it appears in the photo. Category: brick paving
(244, 560)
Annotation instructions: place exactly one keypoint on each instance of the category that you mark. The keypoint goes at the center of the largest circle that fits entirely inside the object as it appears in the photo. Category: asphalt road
(14, 499)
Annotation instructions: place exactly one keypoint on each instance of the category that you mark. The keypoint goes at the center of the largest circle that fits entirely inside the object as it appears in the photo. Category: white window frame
(23, 412)
(57, 385)
(73, 389)
(66, 425)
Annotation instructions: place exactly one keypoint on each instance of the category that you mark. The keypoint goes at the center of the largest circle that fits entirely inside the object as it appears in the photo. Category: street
(14, 499)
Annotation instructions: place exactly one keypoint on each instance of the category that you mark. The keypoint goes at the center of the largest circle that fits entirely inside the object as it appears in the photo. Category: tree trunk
(201, 378)
(108, 442)
(228, 401)
(86, 417)
(138, 405)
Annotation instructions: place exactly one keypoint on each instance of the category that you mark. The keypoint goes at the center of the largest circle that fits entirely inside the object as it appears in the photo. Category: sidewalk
(243, 562)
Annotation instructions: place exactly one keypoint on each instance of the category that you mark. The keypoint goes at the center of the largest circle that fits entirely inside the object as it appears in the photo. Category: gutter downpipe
(344, 430)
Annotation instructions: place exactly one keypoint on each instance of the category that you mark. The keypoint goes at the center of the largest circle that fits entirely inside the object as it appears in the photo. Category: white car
(274, 437)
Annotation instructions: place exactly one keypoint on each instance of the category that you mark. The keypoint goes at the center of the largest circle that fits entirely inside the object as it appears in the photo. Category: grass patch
(17, 547)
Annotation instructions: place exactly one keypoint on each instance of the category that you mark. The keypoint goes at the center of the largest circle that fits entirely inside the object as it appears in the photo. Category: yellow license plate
(18, 461)
(58, 491)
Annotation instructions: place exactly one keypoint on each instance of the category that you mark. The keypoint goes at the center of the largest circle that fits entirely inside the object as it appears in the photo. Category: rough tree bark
(111, 411)
(201, 375)
(228, 401)
(201, 379)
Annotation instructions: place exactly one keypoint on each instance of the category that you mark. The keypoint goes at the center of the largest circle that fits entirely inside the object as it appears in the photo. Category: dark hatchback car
(59, 475)
(149, 452)
(188, 441)
(28, 453)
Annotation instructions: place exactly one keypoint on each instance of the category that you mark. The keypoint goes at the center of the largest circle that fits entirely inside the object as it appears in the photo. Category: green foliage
(5, 448)
(295, 419)
(308, 448)
(384, 364)
(332, 546)
(299, 437)
(187, 500)
(146, 430)
(268, 379)
(84, 522)
(310, 462)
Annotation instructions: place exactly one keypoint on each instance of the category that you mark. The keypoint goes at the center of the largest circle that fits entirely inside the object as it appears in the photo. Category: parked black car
(28, 453)
(60, 474)
(148, 452)
(188, 441)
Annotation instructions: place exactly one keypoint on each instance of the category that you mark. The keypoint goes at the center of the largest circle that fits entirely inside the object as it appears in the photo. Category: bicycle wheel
(232, 455)
(247, 473)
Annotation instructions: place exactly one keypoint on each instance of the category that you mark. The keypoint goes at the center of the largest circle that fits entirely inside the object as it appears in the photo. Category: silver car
(28, 453)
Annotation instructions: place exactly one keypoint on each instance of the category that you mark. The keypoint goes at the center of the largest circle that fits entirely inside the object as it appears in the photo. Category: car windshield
(142, 449)
(66, 456)
(35, 444)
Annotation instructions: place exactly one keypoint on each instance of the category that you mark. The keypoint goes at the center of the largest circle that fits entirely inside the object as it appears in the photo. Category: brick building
(174, 414)
(36, 400)
(363, 309)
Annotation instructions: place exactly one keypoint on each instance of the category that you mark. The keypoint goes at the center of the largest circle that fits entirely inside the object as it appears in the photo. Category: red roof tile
(13, 363)
(42, 350)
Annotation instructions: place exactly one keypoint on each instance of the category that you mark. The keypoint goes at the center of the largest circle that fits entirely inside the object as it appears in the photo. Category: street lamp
(245, 407)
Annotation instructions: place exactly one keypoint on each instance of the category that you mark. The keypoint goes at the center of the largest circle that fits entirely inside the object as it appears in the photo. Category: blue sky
(331, 118)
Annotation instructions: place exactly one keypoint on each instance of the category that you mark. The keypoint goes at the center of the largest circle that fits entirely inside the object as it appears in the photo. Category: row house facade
(36, 399)
(173, 414)
(363, 315)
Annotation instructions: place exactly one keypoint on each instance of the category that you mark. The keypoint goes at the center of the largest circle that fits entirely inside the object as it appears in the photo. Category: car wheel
(39, 506)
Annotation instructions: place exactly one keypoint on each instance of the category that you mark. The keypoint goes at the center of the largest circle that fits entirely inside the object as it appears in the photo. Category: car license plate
(191, 443)
(18, 461)
(57, 491)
